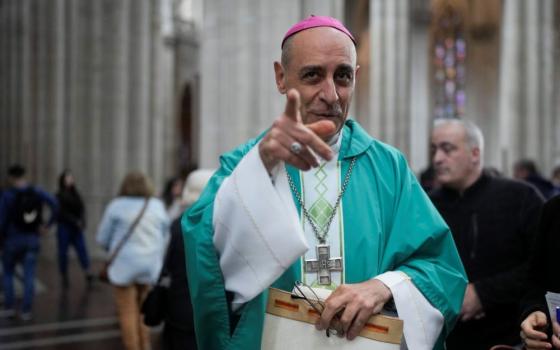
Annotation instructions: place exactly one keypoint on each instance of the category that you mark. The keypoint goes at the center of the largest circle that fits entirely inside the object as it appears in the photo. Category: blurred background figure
(178, 331)
(526, 170)
(493, 221)
(172, 197)
(138, 263)
(71, 225)
(493, 171)
(21, 221)
(555, 178)
(428, 179)
(196, 182)
(537, 330)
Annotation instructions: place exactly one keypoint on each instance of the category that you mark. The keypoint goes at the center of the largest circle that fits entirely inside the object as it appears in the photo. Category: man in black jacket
(492, 220)
(537, 330)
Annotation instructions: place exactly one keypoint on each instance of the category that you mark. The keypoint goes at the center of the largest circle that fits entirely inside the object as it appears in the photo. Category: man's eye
(310, 75)
(344, 76)
(448, 148)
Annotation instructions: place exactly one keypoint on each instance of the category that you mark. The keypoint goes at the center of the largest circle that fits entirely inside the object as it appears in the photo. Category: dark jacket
(7, 201)
(179, 325)
(545, 187)
(71, 208)
(543, 268)
(493, 224)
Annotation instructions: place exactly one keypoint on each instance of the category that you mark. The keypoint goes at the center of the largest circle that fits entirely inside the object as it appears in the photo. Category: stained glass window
(449, 54)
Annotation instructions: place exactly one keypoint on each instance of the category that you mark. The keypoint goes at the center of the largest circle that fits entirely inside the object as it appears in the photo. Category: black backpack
(27, 212)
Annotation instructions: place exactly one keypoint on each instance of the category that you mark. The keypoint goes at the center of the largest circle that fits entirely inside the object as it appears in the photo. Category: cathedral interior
(163, 86)
(103, 87)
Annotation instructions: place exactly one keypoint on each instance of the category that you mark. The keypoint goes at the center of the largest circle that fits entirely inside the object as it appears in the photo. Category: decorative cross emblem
(324, 264)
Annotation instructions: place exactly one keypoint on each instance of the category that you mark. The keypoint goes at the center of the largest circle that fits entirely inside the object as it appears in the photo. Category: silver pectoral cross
(324, 264)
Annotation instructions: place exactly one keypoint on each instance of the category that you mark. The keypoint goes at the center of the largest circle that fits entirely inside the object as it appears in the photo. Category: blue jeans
(69, 235)
(25, 248)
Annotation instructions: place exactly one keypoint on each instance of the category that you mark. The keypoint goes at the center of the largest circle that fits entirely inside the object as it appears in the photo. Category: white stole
(315, 181)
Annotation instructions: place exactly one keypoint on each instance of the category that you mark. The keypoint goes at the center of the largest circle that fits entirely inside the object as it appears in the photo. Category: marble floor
(79, 317)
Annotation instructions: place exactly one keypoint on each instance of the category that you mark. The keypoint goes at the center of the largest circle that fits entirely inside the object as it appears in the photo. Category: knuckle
(360, 300)
(305, 137)
(330, 304)
(343, 288)
(369, 304)
(272, 144)
(273, 133)
(346, 319)
(276, 123)
(265, 148)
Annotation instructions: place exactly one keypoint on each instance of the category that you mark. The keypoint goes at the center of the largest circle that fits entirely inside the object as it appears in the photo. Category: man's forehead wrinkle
(312, 67)
(320, 37)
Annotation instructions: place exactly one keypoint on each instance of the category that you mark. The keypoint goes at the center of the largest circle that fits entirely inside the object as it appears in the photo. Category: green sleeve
(214, 326)
(422, 246)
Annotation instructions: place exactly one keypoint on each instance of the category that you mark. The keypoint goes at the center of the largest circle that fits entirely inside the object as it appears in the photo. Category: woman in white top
(137, 264)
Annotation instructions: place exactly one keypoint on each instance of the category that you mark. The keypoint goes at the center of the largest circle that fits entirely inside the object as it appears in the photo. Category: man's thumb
(540, 319)
(322, 127)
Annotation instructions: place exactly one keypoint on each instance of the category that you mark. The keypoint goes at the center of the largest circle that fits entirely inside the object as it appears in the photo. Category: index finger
(531, 332)
(332, 307)
(293, 105)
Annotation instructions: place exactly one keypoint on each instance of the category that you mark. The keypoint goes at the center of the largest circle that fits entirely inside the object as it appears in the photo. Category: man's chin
(443, 180)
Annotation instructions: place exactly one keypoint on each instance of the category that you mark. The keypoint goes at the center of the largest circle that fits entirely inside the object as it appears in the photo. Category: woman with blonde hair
(134, 230)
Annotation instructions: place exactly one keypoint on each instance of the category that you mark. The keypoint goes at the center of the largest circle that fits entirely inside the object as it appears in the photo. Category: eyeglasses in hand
(305, 292)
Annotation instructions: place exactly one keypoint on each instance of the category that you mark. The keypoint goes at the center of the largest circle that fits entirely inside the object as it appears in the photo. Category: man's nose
(328, 91)
(438, 156)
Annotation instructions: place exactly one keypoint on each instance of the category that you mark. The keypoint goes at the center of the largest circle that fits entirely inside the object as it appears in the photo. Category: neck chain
(322, 237)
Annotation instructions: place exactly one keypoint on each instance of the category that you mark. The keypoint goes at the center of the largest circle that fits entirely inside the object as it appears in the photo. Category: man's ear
(279, 75)
(476, 155)
(357, 70)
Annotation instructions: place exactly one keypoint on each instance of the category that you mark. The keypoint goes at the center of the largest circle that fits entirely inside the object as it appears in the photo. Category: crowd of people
(315, 200)
(136, 229)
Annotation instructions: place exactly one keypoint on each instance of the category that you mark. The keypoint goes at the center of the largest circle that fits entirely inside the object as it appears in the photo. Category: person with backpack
(21, 221)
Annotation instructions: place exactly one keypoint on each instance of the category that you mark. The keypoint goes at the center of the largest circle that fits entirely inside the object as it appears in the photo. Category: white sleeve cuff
(256, 229)
(392, 278)
(422, 322)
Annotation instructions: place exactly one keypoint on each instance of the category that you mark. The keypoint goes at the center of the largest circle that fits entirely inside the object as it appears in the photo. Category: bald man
(316, 199)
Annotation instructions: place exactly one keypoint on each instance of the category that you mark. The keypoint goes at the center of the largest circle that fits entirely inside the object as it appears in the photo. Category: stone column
(45, 112)
(556, 95)
(162, 123)
(57, 87)
(549, 102)
(389, 117)
(6, 118)
(139, 83)
(3, 88)
(528, 123)
(20, 62)
(419, 106)
(334, 8)
(76, 91)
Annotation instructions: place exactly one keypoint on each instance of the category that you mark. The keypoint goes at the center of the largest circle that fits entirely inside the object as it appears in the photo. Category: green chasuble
(389, 225)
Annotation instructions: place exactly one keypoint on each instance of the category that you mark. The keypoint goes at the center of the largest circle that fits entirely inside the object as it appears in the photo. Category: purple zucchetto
(317, 21)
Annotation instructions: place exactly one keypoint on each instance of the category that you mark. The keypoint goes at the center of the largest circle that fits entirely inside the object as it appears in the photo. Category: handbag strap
(129, 233)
